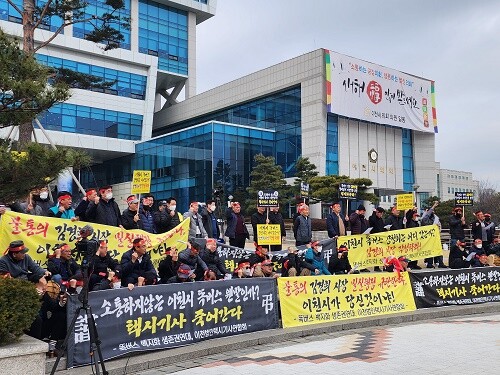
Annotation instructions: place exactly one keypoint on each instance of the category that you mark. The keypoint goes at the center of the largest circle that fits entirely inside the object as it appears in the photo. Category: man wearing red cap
(130, 216)
(339, 263)
(63, 208)
(63, 267)
(236, 229)
(459, 256)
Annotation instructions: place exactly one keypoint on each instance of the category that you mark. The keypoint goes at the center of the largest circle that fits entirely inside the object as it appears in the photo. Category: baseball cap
(162, 203)
(184, 271)
(17, 247)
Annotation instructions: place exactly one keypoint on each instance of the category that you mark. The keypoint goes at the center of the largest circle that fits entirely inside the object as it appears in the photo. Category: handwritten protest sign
(141, 182)
(268, 234)
(464, 199)
(404, 202)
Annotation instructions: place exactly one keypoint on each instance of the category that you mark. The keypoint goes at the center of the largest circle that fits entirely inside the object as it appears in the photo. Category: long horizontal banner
(368, 250)
(41, 233)
(456, 287)
(166, 316)
(321, 299)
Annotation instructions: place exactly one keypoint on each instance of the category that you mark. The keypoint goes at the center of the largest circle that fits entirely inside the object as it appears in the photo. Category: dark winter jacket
(25, 269)
(277, 218)
(128, 220)
(68, 269)
(81, 210)
(255, 219)
(104, 212)
(232, 220)
(377, 223)
(332, 224)
(303, 229)
(358, 223)
(295, 261)
(213, 262)
(167, 269)
(210, 223)
(457, 228)
(128, 268)
(395, 222)
(147, 220)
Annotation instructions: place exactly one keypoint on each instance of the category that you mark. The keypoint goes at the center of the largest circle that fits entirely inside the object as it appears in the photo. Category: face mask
(480, 246)
(247, 272)
(172, 208)
(212, 207)
(117, 285)
(109, 196)
(44, 195)
(458, 214)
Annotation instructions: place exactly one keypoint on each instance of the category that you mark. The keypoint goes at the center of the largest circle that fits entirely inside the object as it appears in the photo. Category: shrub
(19, 305)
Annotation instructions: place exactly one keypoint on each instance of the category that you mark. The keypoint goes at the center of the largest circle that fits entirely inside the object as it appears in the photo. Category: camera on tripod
(218, 193)
(86, 248)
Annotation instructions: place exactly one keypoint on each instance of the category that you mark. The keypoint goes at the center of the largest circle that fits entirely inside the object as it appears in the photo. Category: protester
(260, 255)
(412, 222)
(394, 220)
(302, 227)
(190, 256)
(64, 269)
(242, 271)
(196, 228)
(184, 274)
(211, 258)
(376, 222)
(130, 217)
(459, 256)
(335, 223)
(136, 266)
(430, 218)
(236, 230)
(210, 220)
(315, 257)
(169, 265)
(357, 221)
(100, 263)
(172, 217)
(490, 230)
(257, 218)
(81, 209)
(293, 265)
(457, 226)
(63, 208)
(275, 217)
(103, 209)
(339, 263)
(146, 214)
(267, 269)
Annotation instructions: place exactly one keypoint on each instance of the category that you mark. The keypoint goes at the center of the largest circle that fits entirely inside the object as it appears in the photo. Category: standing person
(130, 216)
(357, 220)
(335, 223)
(430, 218)
(236, 229)
(81, 209)
(478, 227)
(394, 220)
(196, 228)
(210, 220)
(275, 217)
(146, 214)
(104, 210)
(160, 217)
(376, 222)
(37, 203)
(172, 217)
(457, 226)
(302, 227)
(258, 217)
(412, 222)
(63, 208)
(490, 230)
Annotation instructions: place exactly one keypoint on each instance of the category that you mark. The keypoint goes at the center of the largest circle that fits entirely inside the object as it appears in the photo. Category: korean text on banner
(141, 182)
(404, 202)
(306, 300)
(456, 287)
(41, 233)
(368, 250)
(268, 234)
(165, 316)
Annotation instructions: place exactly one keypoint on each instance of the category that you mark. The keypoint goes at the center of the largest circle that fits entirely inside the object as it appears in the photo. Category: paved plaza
(455, 345)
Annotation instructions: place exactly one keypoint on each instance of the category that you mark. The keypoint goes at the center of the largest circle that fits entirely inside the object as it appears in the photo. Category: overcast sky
(456, 43)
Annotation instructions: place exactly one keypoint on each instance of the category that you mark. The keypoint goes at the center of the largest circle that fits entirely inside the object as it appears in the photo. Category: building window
(408, 174)
(92, 121)
(332, 145)
(8, 13)
(98, 8)
(163, 32)
(126, 84)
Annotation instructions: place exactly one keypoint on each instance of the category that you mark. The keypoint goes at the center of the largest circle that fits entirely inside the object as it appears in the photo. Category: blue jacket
(147, 219)
(332, 225)
(317, 260)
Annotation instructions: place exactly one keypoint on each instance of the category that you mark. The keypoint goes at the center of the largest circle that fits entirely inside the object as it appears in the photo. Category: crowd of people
(199, 260)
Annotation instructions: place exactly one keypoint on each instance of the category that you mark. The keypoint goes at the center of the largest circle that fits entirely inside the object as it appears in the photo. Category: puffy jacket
(104, 212)
(317, 261)
(303, 229)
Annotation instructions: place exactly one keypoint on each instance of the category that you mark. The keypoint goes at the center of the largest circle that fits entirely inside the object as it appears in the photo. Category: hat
(489, 215)
(404, 259)
(162, 203)
(361, 208)
(267, 262)
(380, 209)
(104, 188)
(342, 248)
(314, 243)
(17, 247)
(132, 199)
(184, 271)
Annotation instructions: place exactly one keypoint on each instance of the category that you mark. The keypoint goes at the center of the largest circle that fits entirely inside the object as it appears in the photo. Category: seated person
(315, 258)
(243, 270)
(478, 248)
(393, 264)
(65, 271)
(184, 274)
(264, 269)
(212, 259)
(259, 256)
(294, 265)
(494, 247)
(168, 266)
(481, 261)
(191, 257)
(459, 256)
(339, 263)
(136, 266)
(100, 263)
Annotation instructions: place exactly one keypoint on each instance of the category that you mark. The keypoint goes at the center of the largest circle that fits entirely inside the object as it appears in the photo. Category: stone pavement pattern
(458, 345)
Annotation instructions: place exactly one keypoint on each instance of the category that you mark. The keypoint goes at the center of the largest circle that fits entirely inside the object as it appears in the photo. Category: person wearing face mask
(103, 209)
(81, 209)
(243, 271)
(210, 220)
(459, 256)
(172, 218)
(315, 257)
(196, 228)
(146, 214)
(63, 208)
(457, 225)
(38, 203)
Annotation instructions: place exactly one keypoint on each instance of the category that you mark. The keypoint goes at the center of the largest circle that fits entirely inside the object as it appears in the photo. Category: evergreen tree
(305, 170)
(265, 175)
(444, 211)
(104, 30)
(326, 188)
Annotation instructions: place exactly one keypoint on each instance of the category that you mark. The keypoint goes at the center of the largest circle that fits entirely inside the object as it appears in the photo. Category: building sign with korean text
(374, 93)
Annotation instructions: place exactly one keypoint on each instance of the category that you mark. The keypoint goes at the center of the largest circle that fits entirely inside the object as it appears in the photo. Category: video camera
(218, 193)
(86, 248)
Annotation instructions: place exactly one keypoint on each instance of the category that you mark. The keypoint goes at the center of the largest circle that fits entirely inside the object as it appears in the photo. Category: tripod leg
(64, 346)
(95, 342)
